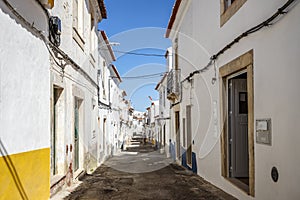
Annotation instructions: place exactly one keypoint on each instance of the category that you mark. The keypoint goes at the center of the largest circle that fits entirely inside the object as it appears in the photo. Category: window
(92, 20)
(164, 96)
(78, 9)
(229, 8)
(243, 103)
(93, 39)
(93, 48)
(227, 3)
(104, 79)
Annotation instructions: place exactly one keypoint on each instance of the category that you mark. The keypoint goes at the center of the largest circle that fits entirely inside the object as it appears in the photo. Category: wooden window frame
(93, 39)
(227, 13)
(93, 48)
(243, 62)
(78, 23)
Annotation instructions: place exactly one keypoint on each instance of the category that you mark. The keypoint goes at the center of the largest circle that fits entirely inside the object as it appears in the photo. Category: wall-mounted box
(263, 131)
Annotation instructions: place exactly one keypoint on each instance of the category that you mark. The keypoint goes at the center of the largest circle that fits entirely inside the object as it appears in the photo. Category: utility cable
(266, 23)
(140, 54)
(142, 76)
(48, 44)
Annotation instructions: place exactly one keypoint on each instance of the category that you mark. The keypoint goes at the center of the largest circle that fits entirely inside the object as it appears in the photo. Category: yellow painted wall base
(28, 177)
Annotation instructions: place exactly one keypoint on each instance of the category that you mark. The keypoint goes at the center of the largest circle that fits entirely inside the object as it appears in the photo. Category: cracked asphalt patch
(121, 178)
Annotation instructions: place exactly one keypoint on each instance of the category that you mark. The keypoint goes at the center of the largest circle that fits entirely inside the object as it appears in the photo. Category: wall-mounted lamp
(55, 30)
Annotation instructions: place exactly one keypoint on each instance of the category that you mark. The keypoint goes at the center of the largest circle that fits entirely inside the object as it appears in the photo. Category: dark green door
(76, 135)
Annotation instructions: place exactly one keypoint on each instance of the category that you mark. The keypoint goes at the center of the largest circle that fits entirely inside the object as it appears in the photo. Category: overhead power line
(142, 76)
(138, 54)
(268, 22)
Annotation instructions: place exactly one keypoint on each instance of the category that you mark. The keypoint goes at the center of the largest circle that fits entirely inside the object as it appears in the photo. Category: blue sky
(139, 26)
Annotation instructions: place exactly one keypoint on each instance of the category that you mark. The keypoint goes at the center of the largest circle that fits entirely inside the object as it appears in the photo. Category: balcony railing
(173, 84)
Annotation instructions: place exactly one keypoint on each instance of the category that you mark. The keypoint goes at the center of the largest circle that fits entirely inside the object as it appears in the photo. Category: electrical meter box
(263, 131)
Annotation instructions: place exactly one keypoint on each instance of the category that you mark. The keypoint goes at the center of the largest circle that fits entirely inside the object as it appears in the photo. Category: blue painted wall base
(194, 162)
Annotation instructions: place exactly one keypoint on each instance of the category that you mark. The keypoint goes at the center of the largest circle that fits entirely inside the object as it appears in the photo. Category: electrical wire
(69, 76)
(142, 76)
(140, 54)
(48, 44)
(268, 22)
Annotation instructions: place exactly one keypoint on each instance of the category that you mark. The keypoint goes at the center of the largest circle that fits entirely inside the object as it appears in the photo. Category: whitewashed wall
(276, 96)
(24, 82)
(75, 84)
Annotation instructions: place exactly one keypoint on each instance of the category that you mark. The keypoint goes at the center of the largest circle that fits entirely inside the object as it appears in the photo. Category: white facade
(151, 122)
(61, 105)
(24, 100)
(197, 35)
(147, 125)
(138, 123)
(105, 122)
(74, 91)
(24, 92)
(164, 114)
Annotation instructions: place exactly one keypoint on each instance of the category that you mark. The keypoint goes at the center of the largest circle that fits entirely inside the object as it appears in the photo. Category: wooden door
(76, 134)
(177, 131)
(189, 136)
(238, 128)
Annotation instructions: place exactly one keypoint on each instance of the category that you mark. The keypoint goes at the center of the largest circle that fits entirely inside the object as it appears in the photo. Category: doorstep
(56, 183)
(79, 173)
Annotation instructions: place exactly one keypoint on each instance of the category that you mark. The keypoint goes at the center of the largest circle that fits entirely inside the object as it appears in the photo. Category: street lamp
(113, 43)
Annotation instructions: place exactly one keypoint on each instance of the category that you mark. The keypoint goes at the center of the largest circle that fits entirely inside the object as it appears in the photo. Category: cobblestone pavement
(144, 174)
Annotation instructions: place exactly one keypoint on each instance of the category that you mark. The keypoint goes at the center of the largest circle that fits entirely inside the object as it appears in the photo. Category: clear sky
(139, 26)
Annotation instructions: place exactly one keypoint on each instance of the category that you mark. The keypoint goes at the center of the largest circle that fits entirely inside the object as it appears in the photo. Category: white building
(74, 90)
(235, 101)
(164, 116)
(138, 123)
(59, 96)
(147, 126)
(151, 122)
(124, 120)
(106, 57)
(116, 98)
(24, 100)
(113, 119)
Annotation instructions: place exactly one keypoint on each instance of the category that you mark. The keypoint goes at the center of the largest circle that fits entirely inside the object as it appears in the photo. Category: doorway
(237, 122)
(104, 136)
(189, 136)
(77, 120)
(177, 132)
(183, 133)
(160, 138)
(238, 154)
(164, 135)
(56, 126)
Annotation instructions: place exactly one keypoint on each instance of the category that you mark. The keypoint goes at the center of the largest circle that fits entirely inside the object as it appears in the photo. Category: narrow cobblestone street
(142, 173)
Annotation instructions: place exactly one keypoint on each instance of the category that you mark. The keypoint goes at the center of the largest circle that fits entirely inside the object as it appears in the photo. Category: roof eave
(116, 72)
(102, 9)
(108, 45)
(160, 82)
(173, 17)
